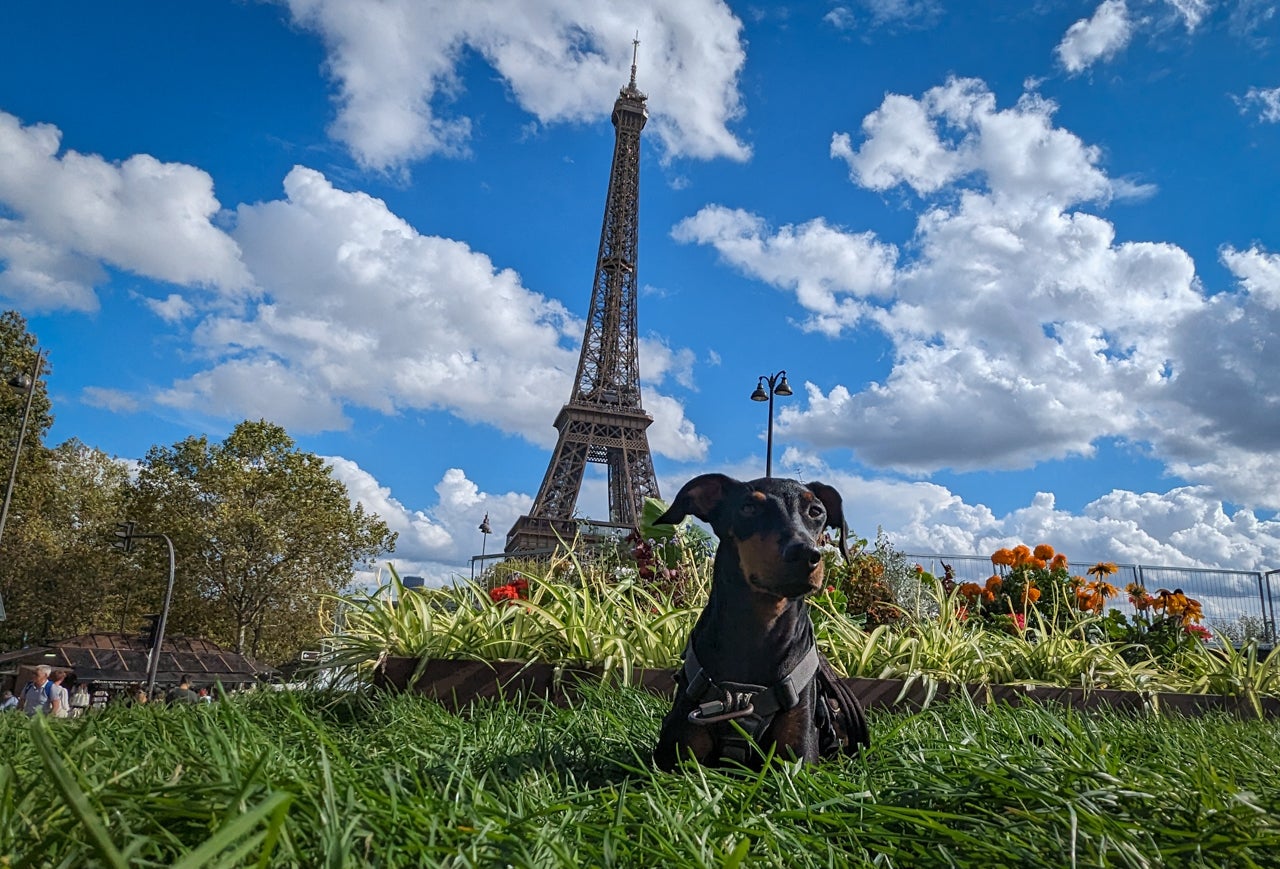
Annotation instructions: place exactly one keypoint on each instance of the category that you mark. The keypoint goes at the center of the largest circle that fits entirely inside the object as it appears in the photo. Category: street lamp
(484, 543)
(124, 535)
(23, 383)
(777, 385)
(486, 531)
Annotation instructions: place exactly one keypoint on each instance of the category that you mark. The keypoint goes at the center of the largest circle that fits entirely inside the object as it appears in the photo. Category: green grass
(302, 779)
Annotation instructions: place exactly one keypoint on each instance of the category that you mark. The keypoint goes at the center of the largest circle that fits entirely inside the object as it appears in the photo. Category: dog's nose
(803, 552)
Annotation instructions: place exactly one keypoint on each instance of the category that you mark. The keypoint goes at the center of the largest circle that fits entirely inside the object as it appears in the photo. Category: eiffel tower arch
(603, 421)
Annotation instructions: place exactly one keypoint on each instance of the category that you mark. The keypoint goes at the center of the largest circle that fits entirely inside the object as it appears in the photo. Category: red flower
(1200, 632)
(503, 592)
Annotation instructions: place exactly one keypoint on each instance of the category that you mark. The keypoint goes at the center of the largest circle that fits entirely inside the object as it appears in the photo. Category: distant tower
(603, 421)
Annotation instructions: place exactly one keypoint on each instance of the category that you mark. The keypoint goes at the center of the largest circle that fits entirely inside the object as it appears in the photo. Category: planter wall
(458, 683)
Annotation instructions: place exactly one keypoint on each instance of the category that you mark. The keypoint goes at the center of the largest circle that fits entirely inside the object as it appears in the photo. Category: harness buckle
(728, 708)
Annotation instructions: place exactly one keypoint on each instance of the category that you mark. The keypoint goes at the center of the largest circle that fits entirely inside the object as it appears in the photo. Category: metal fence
(1238, 605)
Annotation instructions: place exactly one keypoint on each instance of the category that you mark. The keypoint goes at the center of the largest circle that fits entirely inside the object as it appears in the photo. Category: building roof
(113, 657)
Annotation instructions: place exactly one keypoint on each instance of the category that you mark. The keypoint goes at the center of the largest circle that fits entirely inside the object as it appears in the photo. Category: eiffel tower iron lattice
(603, 422)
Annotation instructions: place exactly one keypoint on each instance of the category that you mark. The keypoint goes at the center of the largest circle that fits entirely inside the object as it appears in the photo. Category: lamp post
(777, 385)
(484, 542)
(125, 534)
(22, 383)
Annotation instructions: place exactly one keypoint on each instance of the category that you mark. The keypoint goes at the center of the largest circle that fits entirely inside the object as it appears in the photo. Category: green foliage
(263, 532)
(61, 576)
(305, 779)
(876, 586)
(593, 619)
(602, 616)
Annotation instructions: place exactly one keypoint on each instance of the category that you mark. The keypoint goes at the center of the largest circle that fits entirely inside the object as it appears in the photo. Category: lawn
(312, 779)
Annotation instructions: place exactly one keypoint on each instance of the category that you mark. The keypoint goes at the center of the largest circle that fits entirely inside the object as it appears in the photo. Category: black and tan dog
(752, 673)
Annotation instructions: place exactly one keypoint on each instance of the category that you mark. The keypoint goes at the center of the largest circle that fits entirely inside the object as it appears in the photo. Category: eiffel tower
(603, 421)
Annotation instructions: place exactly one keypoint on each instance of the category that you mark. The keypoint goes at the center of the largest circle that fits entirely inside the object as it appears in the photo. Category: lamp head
(783, 388)
(20, 382)
(760, 394)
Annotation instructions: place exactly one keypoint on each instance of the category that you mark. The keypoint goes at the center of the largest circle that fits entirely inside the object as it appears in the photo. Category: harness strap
(753, 706)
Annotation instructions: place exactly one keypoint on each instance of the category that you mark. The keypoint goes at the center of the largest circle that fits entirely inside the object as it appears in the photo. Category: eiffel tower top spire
(604, 421)
(635, 51)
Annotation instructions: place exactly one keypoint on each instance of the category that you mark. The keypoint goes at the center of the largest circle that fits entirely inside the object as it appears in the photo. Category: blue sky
(1021, 262)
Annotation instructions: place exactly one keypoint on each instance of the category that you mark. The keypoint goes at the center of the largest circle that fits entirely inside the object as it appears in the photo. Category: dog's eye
(817, 511)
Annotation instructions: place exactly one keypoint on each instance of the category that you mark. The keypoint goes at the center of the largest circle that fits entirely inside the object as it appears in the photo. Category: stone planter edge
(457, 683)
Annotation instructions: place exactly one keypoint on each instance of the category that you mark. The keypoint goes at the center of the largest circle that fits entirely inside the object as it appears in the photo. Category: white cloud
(1264, 101)
(829, 269)
(438, 541)
(359, 309)
(1101, 37)
(1192, 12)
(109, 399)
(1186, 526)
(955, 132)
(1258, 273)
(672, 434)
(75, 212)
(172, 309)
(1022, 330)
(395, 64)
(841, 18)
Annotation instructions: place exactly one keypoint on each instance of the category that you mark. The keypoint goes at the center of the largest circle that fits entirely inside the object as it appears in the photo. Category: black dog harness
(753, 707)
(839, 717)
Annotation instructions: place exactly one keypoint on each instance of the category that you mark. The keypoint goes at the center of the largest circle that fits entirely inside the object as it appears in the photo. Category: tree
(262, 531)
(61, 576)
(17, 358)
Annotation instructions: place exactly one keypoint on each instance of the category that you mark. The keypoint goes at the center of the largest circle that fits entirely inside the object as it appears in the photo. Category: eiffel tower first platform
(603, 421)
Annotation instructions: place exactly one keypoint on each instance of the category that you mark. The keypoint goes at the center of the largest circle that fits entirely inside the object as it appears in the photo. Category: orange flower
(1059, 562)
(970, 590)
(1103, 568)
(1030, 594)
(989, 596)
(1089, 600)
(1044, 551)
(1139, 598)
(1177, 604)
(1003, 556)
(994, 584)
(1036, 562)
(1020, 554)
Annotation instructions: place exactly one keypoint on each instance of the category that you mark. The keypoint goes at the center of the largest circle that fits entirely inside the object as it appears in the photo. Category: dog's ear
(831, 499)
(701, 497)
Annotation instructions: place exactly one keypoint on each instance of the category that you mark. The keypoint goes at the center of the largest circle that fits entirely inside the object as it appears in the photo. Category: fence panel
(1238, 604)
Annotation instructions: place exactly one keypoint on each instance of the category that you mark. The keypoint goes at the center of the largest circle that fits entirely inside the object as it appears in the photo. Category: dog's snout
(804, 553)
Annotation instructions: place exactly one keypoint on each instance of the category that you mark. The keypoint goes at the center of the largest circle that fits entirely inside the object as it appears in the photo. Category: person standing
(37, 696)
(79, 700)
(182, 693)
(59, 701)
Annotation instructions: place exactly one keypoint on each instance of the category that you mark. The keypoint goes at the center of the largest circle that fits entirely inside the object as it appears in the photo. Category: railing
(1238, 605)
